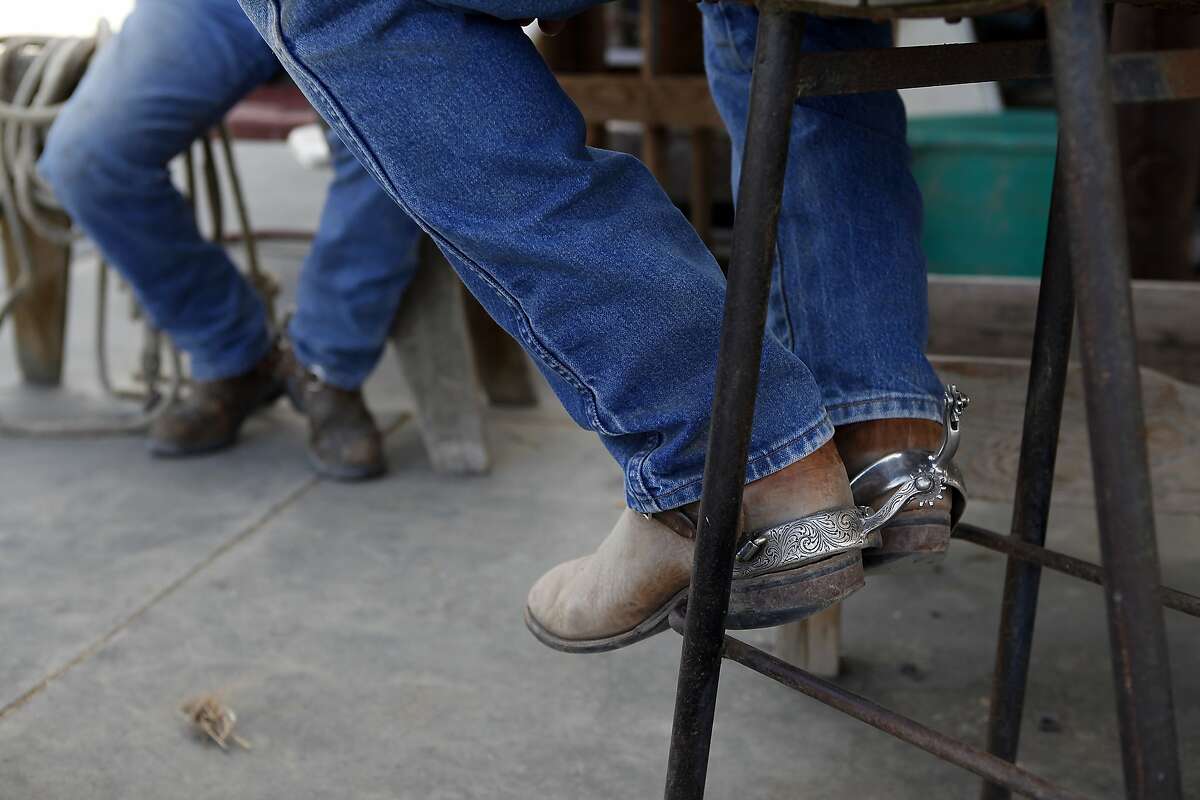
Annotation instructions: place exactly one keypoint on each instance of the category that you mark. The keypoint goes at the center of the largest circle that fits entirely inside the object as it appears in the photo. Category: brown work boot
(343, 442)
(208, 417)
(798, 554)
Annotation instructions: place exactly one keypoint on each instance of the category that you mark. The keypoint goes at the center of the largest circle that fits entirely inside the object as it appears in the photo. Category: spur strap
(802, 541)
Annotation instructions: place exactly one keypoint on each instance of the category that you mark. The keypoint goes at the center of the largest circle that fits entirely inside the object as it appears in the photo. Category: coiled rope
(54, 67)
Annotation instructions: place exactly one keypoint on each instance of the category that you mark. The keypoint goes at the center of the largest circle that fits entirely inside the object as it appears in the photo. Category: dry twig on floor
(212, 718)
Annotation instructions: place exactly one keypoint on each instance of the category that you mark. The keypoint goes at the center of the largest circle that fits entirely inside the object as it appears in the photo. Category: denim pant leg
(577, 252)
(172, 72)
(362, 258)
(849, 290)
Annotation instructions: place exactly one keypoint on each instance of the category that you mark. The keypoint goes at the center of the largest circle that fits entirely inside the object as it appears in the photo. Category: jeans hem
(886, 406)
(346, 380)
(762, 463)
(205, 371)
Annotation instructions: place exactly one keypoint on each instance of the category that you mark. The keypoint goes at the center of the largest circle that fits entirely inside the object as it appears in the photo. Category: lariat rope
(54, 66)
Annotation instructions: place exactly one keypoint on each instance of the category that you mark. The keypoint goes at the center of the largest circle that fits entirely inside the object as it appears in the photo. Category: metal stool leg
(1035, 479)
(1100, 263)
(772, 96)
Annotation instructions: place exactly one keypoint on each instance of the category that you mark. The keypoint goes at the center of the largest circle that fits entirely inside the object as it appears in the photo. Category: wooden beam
(975, 316)
(674, 100)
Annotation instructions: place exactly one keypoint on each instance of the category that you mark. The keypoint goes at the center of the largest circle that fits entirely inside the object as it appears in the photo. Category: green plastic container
(986, 184)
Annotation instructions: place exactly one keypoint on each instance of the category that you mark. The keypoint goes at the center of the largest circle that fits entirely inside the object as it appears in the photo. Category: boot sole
(344, 474)
(760, 602)
(912, 539)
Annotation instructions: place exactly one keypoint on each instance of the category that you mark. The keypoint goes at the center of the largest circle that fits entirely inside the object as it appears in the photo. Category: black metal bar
(944, 747)
(1136, 77)
(1100, 266)
(1067, 565)
(1035, 480)
(772, 96)
(855, 71)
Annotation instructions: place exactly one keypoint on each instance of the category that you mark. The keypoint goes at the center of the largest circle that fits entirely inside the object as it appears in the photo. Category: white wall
(971, 98)
(63, 17)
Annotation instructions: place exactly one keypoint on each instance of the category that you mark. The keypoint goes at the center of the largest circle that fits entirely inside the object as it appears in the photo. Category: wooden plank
(672, 100)
(975, 316)
(991, 444)
(431, 340)
(701, 200)
(814, 644)
(39, 318)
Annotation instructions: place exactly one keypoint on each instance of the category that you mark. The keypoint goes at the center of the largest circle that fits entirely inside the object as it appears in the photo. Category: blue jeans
(173, 71)
(578, 252)
(848, 294)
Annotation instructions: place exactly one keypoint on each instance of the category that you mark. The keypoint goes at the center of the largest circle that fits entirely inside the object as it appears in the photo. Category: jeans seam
(524, 326)
(640, 458)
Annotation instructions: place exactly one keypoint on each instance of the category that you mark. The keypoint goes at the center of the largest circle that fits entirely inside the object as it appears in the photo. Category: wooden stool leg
(813, 644)
(40, 317)
(1100, 265)
(772, 96)
(434, 348)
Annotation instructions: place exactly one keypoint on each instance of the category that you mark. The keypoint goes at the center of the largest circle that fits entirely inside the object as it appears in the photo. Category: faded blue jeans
(173, 71)
(581, 256)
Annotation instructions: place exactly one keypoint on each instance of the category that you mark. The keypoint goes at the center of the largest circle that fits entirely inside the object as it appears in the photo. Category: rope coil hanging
(52, 66)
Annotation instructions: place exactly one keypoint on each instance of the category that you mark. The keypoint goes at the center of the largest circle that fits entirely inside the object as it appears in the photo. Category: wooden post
(813, 644)
(39, 318)
(702, 180)
(671, 45)
(432, 343)
(1160, 160)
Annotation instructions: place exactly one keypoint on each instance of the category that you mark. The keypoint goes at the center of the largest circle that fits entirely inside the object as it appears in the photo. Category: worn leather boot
(343, 442)
(799, 553)
(209, 416)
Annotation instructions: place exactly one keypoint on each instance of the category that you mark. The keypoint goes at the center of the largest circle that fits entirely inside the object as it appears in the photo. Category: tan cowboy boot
(802, 555)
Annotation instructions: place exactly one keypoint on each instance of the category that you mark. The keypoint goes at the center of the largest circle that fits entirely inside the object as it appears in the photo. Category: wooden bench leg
(813, 644)
(40, 317)
(501, 363)
(434, 349)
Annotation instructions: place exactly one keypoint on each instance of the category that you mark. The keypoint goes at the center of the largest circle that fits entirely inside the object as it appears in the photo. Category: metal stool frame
(1086, 265)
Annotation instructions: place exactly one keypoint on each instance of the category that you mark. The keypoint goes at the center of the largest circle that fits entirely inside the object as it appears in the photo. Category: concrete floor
(370, 638)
